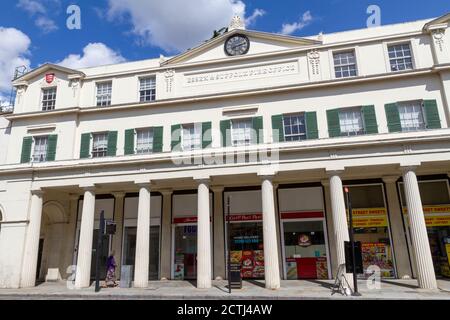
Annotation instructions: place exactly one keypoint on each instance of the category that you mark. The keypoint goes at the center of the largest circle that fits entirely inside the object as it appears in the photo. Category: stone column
(419, 237)
(29, 264)
(83, 272)
(204, 273)
(330, 228)
(219, 243)
(141, 265)
(340, 224)
(166, 234)
(271, 261)
(118, 237)
(398, 232)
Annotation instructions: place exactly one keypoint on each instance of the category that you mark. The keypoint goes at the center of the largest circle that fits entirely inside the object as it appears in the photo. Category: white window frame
(342, 51)
(408, 43)
(300, 135)
(352, 110)
(44, 151)
(412, 46)
(233, 132)
(140, 79)
(93, 151)
(100, 99)
(195, 137)
(43, 100)
(422, 114)
(149, 148)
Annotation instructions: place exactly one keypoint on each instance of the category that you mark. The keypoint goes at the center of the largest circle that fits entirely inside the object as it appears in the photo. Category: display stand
(340, 281)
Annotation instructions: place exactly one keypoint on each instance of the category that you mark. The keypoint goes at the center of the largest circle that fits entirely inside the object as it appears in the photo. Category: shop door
(185, 252)
(103, 254)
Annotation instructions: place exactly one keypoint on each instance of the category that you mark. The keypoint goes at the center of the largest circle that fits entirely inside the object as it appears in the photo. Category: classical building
(243, 144)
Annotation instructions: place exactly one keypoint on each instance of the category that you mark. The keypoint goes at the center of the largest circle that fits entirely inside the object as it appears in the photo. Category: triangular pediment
(46, 68)
(441, 22)
(260, 42)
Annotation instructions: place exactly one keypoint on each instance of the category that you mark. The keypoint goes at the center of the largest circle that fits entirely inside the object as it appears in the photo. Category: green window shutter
(129, 142)
(51, 148)
(257, 126)
(85, 151)
(26, 150)
(393, 117)
(206, 134)
(225, 130)
(370, 119)
(176, 137)
(112, 144)
(277, 128)
(432, 114)
(334, 127)
(312, 132)
(157, 139)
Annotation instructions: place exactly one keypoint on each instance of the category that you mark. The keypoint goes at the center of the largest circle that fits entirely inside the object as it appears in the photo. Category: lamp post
(352, 242)
(228, 245)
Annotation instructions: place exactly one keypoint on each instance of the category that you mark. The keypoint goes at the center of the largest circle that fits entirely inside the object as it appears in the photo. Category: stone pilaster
(166, 234)
(219, 243)
(204, 273)
(118, 219)
(141, 266)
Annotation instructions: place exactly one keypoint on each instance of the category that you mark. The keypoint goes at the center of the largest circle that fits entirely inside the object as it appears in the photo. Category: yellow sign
(369, 217)
(447, 247)
(435, 216)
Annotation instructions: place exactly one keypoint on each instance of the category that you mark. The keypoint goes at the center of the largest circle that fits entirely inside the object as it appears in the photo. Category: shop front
(371, 227)
(436, 208)
(304, 233)
(245, 230)
(184, 236)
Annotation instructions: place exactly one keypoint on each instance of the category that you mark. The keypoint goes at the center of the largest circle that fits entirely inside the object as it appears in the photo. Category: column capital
(166, 192)
(325, 182)
(407, 168)
(87, 187)
(74, 196)
(390, 179)
(118, 194)
(203, 181)
(37, 192)
(334, 172)
(217, 188)
(143, 182)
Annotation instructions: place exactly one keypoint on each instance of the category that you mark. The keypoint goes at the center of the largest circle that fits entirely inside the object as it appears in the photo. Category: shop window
(48, 99)
(147, 89)
(294, 127)
(104, 92)
(345, 64)
(400, 57)
(185, 259)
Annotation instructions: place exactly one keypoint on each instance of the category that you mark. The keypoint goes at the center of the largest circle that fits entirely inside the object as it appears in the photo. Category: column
(83, 273)
(141, 265)
(117, 238)
(330, 227)
(30, 258)
(419, 237)
(340, 224)
(271, 262)
(399, 242)
(204, 273)
(166, 234)
(219, 239)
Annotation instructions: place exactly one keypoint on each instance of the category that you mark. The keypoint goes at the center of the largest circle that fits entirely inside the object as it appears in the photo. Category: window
(411, 116)
(144, 141)
(400, 57)
(40, 149)
(351, 122)
(99, 145)
(241, 132)
(147, 89)
(104, 91)
(192, 137)
(294, 127)
(48, 99)
(345, 64)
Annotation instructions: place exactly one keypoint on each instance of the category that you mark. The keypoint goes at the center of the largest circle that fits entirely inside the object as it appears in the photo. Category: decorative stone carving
(236, 23)
(314, 61)
(75, 85)
(438, 36)
(169, 78)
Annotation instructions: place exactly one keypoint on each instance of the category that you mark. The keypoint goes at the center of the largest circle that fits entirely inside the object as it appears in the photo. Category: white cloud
(290, 28)
(14, 46)
(257, 13)
(45, 24)
(32, 7)
(94, 54)
(36, 9)
(176, 25)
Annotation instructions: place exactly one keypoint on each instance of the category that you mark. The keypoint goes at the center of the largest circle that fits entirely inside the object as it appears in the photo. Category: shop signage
(245, 217)
(304, 240)
(185, 220)
(301, 215)
(369, 217)
(435, 216)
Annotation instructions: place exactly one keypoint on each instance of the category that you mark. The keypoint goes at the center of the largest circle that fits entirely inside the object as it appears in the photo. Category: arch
(55, 212)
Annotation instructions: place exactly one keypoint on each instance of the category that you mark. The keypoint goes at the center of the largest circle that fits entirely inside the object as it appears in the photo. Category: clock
(237, 45)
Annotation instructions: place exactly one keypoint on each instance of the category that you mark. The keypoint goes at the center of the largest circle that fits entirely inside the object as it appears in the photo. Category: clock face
(237, 45)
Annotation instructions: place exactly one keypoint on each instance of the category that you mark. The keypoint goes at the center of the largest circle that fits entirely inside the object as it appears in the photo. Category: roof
(46, 67)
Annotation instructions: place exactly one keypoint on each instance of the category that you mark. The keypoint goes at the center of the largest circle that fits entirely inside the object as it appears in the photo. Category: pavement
(185, 290)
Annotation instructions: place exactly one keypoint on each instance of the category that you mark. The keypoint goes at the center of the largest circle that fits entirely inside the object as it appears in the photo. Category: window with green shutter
(370, 119)
(129, 141)
(432, 114)
(393, 117)
(85, 145)
(225, 130)
(312, 131)
(206, 135)
(334, 127)
(51, 148)
(257, 125)
(277, 128)
(26, 150)
(176, 137)
(112, 144)
(157, 139)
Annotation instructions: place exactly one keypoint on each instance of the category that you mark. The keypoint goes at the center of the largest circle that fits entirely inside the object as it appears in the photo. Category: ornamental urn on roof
(236, 23)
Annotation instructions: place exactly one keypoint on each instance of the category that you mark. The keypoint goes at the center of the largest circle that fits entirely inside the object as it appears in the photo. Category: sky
(33, 32)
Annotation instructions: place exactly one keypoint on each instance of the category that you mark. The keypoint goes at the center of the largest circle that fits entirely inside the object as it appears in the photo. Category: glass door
(185, 252)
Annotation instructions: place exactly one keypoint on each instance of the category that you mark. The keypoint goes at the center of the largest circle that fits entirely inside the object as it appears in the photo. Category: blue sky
(34, 31)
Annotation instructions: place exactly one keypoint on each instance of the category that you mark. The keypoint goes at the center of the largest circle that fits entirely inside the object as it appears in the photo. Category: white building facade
(243, 144)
